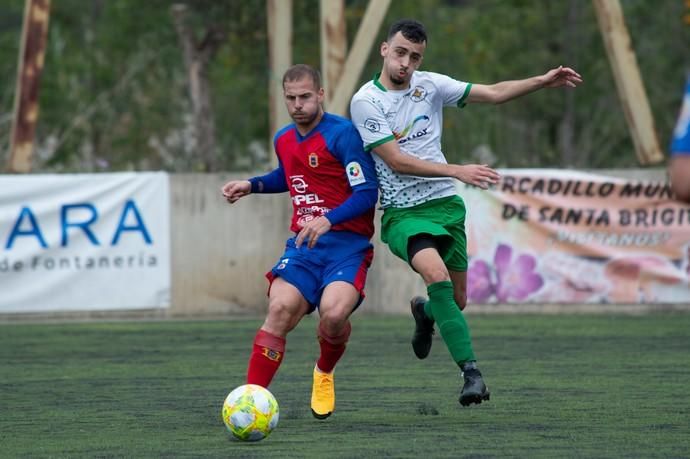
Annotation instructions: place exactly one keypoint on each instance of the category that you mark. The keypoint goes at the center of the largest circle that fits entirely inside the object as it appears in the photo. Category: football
(250, 412)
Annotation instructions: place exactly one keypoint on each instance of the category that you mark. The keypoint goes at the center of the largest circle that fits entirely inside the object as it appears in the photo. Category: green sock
(442, 308)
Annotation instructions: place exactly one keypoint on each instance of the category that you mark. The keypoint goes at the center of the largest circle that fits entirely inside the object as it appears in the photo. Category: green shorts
(443, 218)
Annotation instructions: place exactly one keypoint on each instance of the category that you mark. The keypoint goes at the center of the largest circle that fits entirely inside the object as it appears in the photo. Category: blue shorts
(337, 256)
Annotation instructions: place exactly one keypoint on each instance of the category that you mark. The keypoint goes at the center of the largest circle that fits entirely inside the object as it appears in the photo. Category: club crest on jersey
(355, 174)
(418, 95)
(313, 160)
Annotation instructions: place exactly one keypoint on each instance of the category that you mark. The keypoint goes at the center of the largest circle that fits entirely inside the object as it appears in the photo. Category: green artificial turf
(562, 386)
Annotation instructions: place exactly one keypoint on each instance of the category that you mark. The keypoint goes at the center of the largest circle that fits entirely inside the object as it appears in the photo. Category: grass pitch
(562, 386)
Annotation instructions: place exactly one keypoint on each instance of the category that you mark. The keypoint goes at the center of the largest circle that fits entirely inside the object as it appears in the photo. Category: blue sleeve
(360, 172)
(359, 165)
(359, 202)
(273, 182)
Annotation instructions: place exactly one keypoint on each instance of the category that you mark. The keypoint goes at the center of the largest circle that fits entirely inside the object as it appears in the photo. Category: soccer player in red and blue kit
(333, 186)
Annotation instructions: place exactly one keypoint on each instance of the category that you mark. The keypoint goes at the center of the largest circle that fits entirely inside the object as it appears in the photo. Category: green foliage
(115, 96)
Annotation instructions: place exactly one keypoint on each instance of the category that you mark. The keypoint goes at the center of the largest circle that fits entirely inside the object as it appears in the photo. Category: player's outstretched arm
(504, 91)
(480, 175)
(236, 189)
(561, 76)
(273, 182)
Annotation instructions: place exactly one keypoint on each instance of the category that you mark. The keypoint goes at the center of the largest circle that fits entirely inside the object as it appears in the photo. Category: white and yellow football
(250, 412)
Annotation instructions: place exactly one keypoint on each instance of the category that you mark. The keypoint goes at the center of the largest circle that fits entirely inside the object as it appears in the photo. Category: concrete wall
(220, 252)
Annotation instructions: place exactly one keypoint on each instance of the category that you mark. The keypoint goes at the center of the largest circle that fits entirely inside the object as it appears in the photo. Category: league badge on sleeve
(355, 174)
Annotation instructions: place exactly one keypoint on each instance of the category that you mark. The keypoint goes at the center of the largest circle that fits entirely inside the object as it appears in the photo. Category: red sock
(332, 347)
(267, 354)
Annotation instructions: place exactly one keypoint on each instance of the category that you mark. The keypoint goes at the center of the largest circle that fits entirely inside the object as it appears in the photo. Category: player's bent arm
(402, 163)
(361, 200)
(273, 182)
(234, 190)
(480, 175)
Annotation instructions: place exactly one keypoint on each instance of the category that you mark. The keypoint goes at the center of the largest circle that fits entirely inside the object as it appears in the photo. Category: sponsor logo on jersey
(418, 95)
(355, 175)
(298, 184)
(309, 199)
(403, 136)
(313, 160)
(301, 196)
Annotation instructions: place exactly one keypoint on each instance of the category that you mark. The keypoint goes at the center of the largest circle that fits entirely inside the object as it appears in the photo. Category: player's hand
(561, 76)
(480, 175)
(236, 189)
(312, 231)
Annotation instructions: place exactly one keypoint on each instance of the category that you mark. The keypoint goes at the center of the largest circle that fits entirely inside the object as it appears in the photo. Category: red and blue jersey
(323, 168)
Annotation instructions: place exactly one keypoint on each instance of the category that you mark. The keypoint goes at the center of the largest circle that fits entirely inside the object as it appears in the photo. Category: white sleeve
(370, 122)
(452, 91)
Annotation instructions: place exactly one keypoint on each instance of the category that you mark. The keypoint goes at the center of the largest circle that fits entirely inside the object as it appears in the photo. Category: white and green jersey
(413, 117)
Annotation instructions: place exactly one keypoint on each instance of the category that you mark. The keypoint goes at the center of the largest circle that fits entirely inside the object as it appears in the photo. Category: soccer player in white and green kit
(399, 115)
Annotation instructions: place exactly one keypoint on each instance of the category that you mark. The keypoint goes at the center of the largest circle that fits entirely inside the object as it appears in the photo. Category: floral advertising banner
(556, 236)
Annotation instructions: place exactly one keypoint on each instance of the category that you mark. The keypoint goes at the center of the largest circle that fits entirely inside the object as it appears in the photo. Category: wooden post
(628, 81)
(279, 14)
(359, 52)
(333, 44)
(31, 60)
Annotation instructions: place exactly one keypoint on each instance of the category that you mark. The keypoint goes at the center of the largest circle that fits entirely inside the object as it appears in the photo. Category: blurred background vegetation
(114, 92)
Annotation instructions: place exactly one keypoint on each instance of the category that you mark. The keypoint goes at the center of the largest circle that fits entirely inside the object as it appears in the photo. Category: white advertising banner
(84, 242)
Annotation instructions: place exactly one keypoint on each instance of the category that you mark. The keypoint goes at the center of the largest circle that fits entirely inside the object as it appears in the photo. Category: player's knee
(333, 320)
(281, 316)
(435, 274)
(336, 332)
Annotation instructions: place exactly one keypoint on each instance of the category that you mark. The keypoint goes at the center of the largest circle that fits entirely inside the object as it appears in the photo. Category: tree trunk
(31, 59)
(197, 57)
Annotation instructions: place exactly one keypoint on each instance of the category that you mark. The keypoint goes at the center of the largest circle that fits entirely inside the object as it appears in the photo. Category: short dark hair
(410, 29)
(299, 71)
